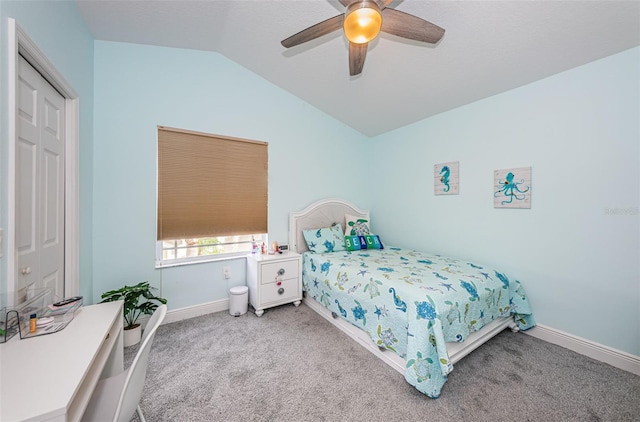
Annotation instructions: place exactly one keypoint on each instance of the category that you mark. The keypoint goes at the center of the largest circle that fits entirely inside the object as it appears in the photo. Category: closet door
(39, 183)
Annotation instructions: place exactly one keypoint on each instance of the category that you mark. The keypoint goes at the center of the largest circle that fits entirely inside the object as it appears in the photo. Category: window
(212, 195)
(200, 249)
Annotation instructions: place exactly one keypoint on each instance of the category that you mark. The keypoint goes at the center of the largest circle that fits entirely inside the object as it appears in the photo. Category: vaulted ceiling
(489, 47)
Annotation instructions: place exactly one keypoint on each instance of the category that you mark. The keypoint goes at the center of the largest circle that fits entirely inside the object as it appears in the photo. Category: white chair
(118, 397)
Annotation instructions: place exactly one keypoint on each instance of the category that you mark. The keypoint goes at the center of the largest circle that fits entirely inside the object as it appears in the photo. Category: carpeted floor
(292, 365)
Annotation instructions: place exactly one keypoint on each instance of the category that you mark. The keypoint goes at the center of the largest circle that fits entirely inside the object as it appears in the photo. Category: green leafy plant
(138, 300)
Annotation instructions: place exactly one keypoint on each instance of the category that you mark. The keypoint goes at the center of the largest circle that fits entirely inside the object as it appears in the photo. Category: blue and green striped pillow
(369, 241)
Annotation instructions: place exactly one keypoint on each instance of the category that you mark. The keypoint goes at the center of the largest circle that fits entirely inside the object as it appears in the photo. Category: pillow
(356, 243)
(356, 226)
(327, 239)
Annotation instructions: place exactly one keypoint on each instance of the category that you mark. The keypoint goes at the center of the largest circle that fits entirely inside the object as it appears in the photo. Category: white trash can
(238, 300)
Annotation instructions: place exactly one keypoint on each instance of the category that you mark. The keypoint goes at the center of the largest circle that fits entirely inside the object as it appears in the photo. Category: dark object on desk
(67, 301)
(61, 310)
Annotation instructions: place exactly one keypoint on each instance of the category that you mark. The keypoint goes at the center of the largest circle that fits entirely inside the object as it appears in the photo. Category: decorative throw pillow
(327, 239)
(356, 226)
(356, 243)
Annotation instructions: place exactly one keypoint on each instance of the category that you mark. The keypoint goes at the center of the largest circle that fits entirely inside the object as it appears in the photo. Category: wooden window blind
(210, 185)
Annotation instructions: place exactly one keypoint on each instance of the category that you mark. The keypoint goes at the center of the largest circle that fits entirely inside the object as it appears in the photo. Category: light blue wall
(580, 132)
(139, 87)
(59, 31)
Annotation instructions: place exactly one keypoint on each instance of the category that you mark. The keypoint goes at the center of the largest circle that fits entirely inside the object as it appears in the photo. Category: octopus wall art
(512, 188)
(446, 178)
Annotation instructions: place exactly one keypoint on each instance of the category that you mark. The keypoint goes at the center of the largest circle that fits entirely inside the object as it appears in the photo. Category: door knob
(25, 270)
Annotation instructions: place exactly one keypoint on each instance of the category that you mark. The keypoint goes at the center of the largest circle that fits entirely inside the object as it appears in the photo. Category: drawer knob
(281, 290)
(281, 271)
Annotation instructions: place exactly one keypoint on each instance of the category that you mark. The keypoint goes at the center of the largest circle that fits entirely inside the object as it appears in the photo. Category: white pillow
(356, 226)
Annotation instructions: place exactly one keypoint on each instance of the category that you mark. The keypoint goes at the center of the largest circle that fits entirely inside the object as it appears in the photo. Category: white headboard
(323, 213)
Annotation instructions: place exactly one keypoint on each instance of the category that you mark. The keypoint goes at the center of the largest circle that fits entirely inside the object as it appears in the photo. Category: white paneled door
(39, 182)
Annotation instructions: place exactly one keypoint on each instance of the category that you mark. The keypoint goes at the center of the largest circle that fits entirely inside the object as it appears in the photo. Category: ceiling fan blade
(409, 26)
(314, 31)
(383, 3)
(357, 54)
(346, 3)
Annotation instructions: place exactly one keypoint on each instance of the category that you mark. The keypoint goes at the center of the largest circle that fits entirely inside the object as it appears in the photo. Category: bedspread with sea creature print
(412, 303)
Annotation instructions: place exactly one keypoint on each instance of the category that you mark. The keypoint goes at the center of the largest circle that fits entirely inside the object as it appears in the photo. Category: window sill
(201, 260)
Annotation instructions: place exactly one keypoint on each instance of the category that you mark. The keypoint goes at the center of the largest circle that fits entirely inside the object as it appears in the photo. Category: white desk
(52, 377)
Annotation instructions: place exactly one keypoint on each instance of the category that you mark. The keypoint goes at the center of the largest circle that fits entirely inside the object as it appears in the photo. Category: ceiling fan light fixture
(362, 22)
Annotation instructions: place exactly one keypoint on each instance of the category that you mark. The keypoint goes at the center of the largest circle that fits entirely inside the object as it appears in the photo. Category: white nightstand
(274, 280)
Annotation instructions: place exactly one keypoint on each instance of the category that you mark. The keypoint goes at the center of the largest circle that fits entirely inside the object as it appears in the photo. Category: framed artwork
(446, 178)
(512, 188)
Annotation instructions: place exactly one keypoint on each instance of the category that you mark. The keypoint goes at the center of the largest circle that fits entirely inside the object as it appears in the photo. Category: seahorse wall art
(446, 178)
(512, 188)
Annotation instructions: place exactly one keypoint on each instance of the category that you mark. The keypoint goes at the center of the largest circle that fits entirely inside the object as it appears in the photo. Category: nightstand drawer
(286, 291)
(284, 270)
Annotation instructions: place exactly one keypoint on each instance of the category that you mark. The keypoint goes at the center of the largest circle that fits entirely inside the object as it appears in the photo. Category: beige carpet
(292, 365)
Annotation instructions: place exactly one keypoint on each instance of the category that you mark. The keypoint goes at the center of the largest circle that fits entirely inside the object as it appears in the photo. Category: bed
(418, 312)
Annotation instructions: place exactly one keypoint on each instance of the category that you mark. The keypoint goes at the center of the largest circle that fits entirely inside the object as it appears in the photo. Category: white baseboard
(187, 312)
(613, 357)
(175, 315)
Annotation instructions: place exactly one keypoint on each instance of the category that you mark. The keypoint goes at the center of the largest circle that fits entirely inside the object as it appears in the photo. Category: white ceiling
(489, 47)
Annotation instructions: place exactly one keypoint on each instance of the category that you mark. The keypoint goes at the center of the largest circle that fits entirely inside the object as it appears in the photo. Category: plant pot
(132, 335)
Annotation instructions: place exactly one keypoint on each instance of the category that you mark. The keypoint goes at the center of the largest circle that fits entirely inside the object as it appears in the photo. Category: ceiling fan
(362, 21)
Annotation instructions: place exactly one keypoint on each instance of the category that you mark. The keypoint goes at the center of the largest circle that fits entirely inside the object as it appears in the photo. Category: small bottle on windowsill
(254, 246)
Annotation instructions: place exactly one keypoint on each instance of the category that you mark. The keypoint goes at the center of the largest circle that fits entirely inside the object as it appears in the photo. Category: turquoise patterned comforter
(412, 303)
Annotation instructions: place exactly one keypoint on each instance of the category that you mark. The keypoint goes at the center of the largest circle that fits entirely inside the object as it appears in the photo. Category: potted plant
(138, 300)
